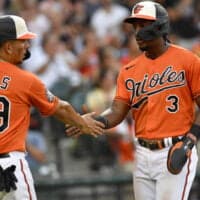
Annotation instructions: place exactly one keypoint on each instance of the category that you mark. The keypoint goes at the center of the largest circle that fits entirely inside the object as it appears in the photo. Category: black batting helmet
(155, 12)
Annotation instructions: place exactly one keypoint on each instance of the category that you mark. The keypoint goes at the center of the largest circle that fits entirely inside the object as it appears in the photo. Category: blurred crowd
(81, 46)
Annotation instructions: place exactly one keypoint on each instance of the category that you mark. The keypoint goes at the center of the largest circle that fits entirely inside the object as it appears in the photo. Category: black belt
(157, 143)
(4, 155)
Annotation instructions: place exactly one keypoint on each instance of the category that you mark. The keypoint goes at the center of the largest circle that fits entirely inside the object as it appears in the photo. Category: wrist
(195, 130)
(192, 137)
(102, 120)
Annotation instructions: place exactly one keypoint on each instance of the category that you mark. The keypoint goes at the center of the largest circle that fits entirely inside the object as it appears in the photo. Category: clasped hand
(92, 127)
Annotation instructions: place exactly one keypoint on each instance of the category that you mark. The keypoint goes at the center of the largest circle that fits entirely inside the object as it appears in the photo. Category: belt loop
(168, 141)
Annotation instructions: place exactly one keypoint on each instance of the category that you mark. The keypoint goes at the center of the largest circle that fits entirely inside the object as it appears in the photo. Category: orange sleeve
(121, 90)
(194, 76)
(42, 98)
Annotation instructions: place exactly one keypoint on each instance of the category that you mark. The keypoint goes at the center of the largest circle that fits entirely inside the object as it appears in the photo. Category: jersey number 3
(174, 104)
(4, 113)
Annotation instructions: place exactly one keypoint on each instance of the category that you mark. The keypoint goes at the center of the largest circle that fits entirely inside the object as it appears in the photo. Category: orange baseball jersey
(19, 91)
(161, 92)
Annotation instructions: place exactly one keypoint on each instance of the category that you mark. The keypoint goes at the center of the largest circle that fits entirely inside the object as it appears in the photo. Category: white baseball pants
(25, 186)
(152, 180)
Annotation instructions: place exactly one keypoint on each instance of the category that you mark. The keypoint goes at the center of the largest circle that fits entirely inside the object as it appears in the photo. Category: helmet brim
(132, 19)
(27, 35)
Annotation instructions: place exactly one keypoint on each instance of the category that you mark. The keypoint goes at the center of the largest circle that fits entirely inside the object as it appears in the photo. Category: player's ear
(8, 48)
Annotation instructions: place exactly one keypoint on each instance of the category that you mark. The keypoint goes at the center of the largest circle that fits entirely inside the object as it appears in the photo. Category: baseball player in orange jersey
(160, 87)
(19, 90)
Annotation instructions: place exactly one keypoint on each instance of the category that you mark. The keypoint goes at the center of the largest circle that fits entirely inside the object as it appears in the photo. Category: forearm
(111, 118)
(66, 113)
(83, 124)
(115, 114)
(195, 128)
(197, 115)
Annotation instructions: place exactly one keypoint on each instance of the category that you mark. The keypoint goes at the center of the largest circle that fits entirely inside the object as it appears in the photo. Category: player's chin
(143, 48)
(19, 61)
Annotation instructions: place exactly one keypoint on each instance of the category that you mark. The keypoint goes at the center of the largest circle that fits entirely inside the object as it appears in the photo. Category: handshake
(93, 122)
(7, 179)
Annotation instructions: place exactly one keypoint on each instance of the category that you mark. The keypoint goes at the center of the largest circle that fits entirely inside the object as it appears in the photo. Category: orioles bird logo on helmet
(138, 8)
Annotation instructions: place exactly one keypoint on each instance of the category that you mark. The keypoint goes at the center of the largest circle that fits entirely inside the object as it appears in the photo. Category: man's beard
(27, 55)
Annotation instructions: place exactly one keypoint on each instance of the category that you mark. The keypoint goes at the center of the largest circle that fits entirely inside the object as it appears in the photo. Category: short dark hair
(2, 41)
